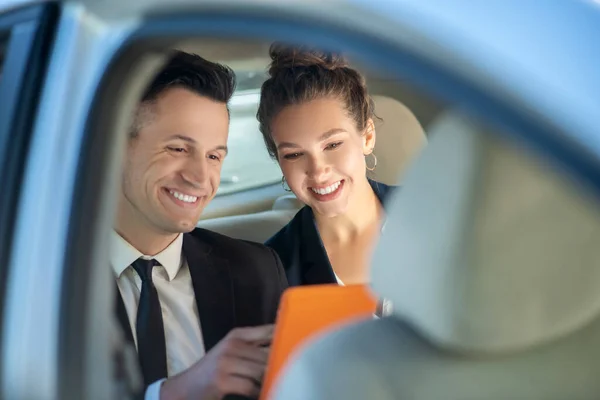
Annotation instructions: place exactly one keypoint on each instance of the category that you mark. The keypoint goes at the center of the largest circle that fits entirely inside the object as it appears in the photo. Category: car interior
(489, 256)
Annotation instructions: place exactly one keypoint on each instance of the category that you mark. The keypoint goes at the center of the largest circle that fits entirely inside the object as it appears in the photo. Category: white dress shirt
(173, 283)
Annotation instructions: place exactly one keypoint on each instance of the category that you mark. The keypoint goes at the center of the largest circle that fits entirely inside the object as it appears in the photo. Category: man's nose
(195, 172)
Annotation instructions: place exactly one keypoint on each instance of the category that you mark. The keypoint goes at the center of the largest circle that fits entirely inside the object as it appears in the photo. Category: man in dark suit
(196, 304)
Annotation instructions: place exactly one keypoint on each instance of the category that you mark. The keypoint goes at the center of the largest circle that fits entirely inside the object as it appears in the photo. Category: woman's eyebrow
(324, 136)
(330, 133)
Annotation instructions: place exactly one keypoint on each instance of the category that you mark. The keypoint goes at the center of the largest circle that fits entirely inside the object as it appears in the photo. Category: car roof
(516, 50)
(530, 49)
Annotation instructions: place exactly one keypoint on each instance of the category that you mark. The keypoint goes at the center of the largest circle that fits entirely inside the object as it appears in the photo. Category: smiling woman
(317, 120)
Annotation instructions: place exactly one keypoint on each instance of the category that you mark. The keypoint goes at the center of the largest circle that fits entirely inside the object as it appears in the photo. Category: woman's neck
(363, 213)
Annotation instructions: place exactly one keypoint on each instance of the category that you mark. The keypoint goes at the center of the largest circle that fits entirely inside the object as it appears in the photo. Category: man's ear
(369, 137)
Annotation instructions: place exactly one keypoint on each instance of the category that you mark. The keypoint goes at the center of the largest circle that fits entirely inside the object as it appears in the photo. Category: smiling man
(195, 304)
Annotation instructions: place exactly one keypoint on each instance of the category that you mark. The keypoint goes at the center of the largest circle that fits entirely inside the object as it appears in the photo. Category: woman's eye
(292, 156)
(333, 145)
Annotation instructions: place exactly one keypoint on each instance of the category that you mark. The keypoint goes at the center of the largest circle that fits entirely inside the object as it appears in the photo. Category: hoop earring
(283, 183)
(374, 161)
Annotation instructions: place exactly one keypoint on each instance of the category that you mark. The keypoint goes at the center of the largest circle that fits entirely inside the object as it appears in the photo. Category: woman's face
(322, 154)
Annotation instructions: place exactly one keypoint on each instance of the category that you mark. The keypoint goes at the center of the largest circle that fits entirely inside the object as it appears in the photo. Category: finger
(237, 385)
(246, 351)
(253, 333)
(243, 368)
(261, 334)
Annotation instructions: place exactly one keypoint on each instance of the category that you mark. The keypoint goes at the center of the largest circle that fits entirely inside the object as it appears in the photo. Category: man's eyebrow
(183, 137)
(193, 141)
(223, 148)
(324, 136)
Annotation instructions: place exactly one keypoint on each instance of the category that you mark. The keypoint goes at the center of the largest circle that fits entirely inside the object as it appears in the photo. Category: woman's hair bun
(285, 57)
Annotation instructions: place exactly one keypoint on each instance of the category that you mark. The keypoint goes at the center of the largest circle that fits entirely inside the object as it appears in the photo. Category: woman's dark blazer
(301, 249)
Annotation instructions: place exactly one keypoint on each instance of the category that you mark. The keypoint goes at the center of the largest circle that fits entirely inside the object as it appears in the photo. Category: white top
(337, 278)
(386, 304)
(173, 283)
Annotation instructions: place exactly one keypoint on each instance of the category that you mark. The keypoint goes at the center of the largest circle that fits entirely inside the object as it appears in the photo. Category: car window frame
(28, 33)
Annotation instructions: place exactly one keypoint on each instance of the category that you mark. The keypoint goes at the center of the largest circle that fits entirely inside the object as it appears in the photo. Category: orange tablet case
(306, 311)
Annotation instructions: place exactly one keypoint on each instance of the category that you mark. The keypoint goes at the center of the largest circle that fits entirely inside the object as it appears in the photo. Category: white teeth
(183, 197)
(328, 189)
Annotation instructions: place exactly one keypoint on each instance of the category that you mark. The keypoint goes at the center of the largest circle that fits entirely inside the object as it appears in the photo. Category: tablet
(307, 311)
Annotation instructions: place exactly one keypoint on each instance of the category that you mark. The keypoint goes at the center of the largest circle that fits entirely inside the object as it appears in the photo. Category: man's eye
(176, 149)
(214, 157)
(334, 145)
(292, 156)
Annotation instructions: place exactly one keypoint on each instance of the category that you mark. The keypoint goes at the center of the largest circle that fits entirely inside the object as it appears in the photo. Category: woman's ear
(369, 137)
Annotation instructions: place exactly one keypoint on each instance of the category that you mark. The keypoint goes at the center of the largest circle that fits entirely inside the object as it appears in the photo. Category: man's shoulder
(250, 270)
(246, 260)
(218, 241)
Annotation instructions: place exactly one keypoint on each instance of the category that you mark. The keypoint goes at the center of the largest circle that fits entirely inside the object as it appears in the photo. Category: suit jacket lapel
(382, 191)
(122, 316)
(213, 288)
(318, 268)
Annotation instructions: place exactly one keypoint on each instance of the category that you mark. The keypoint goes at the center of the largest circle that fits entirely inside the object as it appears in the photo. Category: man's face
(173, 165)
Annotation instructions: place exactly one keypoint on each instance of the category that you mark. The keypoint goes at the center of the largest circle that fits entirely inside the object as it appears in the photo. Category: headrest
(487, 248)
(287, 202)
(256, 227)
(400, 137)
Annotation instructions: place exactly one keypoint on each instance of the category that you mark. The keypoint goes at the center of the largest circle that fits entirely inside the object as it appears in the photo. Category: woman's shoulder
(382, 190)
(288, 235)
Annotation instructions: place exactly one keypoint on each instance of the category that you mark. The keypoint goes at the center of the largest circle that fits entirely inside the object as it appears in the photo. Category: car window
(4, 37)
(248, 164)
(3, 40)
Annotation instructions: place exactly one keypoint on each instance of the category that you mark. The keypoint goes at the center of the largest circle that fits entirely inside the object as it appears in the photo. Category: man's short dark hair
(192, 72)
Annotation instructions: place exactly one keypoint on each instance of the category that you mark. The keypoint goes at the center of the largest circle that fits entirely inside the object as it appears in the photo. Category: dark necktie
(150, 331)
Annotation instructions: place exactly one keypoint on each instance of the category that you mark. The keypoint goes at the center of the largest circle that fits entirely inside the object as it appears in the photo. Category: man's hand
(236, 365)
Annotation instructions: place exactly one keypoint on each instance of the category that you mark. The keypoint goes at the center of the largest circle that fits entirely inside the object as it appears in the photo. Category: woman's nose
(317, 169)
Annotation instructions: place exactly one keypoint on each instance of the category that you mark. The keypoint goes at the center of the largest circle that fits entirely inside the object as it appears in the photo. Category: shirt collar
(123, 254)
